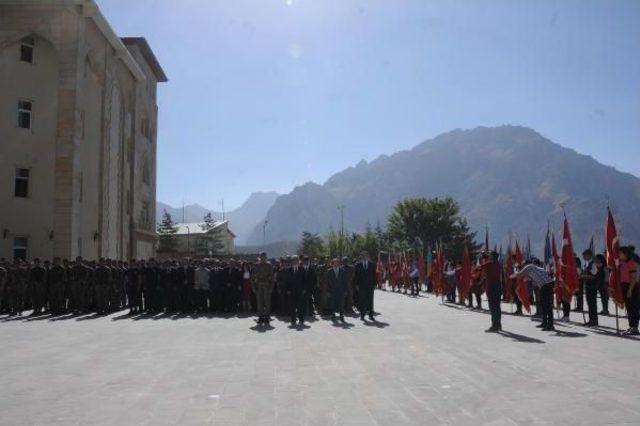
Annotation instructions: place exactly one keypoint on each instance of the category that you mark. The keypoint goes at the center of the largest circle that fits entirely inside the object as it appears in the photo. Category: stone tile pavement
(422, 363)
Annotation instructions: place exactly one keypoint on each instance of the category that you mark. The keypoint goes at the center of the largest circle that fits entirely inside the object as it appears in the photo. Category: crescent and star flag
(521, 286)
(569, 271)
(613, 259)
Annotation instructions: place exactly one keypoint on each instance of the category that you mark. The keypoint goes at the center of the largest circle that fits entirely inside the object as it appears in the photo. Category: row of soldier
(292, 286)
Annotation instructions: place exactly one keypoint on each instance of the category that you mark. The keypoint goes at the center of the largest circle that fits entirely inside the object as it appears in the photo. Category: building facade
(78, 134)
(189, 240)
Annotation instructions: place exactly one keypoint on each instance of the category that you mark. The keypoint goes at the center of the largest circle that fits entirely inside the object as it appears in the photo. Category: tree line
(415, 224)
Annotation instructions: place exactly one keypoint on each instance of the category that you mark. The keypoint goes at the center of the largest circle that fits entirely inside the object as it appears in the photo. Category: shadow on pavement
(343, 325)
(520, 337)
(611, 332)
(377, 324)
(66, 317)
(562, 333)
(92, 316)
(261, 328)
(298, 327)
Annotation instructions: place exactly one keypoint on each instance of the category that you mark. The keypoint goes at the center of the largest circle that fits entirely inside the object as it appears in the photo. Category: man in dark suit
(365, 280)
(296, 289)
(310, 281)
(337, 283)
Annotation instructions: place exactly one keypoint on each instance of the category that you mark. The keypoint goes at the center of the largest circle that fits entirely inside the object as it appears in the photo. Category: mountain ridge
(507, 177)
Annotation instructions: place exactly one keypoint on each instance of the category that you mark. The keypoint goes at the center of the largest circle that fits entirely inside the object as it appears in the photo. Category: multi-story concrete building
(78, 120)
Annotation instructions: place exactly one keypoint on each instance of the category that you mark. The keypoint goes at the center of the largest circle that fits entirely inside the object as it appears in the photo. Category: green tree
(167, 234)
(368, 241)
(332, 243)
(419, 223)
(210, 242)
(311, 245)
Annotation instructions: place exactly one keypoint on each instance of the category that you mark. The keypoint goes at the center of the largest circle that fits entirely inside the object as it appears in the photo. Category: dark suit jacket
(309, 278)
(337, 284)
(296, 282)
(365, 279)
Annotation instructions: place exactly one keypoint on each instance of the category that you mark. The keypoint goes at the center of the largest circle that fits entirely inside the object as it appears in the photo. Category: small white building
(190, 238)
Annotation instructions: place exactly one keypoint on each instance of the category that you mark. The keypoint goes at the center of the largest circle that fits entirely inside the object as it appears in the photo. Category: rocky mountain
(192, 212)
(242, 220)
(509, 178)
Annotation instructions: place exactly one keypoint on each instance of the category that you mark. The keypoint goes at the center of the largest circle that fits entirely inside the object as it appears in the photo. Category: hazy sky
(270, 94)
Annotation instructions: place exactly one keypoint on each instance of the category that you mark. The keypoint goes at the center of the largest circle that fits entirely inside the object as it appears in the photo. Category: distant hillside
(509, 178)
(242, 220)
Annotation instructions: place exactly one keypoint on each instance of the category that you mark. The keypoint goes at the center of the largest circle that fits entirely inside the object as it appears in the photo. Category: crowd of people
(299, 287)
(293, 287)
(489, 276)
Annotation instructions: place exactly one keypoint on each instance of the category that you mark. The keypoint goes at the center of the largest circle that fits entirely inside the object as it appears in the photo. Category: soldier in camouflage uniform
(262, 282)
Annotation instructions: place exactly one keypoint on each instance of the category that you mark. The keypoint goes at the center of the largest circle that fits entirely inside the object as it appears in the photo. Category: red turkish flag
(439, 287)
(486, 239)
(560, 290)
(521, 286)
(379, 270)
(465, 274)
(508, 271)
(422, 268)
(613, 260)
(569, 271)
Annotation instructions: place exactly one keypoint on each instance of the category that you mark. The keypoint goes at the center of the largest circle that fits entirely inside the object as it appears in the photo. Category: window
(26, 49)
(20, 247)
(24, 114)
(21, 189)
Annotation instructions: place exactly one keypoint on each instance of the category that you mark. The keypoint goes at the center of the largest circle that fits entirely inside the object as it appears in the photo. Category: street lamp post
(341, 207)
(264, 234)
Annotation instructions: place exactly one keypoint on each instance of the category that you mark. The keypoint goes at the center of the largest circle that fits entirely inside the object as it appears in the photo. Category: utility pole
(341, 207)
(222, 205)
(264, 234)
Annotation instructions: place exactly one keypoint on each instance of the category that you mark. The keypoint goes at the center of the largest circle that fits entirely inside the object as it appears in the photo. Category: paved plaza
(421, 363)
